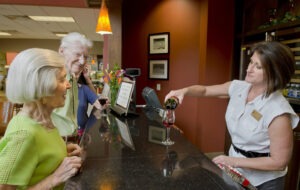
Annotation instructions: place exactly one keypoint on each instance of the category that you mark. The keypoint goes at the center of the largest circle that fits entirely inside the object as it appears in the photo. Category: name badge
(256, 115)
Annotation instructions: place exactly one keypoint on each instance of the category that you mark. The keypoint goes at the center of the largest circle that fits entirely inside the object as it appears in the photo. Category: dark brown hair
(278, 63)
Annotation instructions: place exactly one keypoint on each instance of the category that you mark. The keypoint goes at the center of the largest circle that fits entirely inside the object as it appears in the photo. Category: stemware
(169, 162)
(168, 121)
(103, 100)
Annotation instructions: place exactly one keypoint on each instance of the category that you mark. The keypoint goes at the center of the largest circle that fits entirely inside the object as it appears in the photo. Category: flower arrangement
(114, 79)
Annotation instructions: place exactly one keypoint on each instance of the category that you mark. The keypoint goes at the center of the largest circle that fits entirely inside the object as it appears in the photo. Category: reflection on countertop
(137, 159)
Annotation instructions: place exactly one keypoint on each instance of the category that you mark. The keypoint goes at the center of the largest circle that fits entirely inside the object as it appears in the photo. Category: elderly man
(74, 47)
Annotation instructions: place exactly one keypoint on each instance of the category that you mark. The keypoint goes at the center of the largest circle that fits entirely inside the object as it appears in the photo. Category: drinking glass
(168, 121)
(103, 101)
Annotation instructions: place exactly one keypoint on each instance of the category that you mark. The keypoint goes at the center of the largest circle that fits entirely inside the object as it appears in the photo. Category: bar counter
(115, 159)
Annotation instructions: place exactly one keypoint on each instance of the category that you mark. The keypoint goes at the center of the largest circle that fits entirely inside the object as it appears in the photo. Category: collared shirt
(86, 96)
(65, 118)
(248, 125)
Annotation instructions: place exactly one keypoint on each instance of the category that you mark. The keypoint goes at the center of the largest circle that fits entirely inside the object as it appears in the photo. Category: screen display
(124, 94)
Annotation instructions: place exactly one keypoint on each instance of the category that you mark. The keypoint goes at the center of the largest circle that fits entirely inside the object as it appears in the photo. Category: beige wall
(115, 40)
(17, 45)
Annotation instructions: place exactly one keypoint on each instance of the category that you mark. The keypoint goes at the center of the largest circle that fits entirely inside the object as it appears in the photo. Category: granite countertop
(126, 153)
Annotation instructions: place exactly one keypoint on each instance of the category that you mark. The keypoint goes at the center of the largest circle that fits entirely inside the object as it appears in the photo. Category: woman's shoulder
(240, 83)
(277, 105)
(276, 102)
(21, 123)
(278, 99)
(238, 86)
(20, 130)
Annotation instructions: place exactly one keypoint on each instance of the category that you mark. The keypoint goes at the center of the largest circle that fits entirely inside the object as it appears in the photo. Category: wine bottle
(171, 103)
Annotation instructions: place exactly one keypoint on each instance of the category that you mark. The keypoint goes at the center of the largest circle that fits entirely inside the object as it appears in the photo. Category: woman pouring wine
(259, 119)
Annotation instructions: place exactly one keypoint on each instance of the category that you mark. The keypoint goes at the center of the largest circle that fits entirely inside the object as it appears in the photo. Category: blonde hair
(32, 75)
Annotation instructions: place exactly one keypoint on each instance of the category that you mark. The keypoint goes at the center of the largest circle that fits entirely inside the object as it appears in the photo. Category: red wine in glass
(170, 124)
(166, 124)
(102, 101)
(168, 121)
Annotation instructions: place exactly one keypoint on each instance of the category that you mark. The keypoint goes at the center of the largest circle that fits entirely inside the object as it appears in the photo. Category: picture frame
(159, 69)
(156, 134)
(159, 43)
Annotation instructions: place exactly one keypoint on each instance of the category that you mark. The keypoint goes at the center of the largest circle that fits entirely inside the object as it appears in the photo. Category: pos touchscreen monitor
(123, 98)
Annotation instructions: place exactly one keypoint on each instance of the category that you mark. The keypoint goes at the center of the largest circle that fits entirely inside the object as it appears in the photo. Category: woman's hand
(226, 160)
(178, 93)
(73, 149)
(67, 169)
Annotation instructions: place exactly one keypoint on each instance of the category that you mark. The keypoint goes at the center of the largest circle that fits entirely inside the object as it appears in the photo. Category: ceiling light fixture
(52, 18)
(60, 34)
(103, 25)
(4, 34)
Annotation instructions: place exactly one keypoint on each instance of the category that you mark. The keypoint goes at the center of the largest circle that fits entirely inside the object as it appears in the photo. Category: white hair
(74, 38)
(33, 75)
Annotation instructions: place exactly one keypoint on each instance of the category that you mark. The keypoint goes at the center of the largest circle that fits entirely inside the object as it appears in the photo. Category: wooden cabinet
(259, 17)
(292, 179)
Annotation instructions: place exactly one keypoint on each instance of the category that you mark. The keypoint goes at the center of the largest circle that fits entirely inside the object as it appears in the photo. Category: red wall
(201, 43)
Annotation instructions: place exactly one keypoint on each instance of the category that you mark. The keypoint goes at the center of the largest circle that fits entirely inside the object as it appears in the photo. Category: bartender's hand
(73, 149)
(178, 93)
(226, 160)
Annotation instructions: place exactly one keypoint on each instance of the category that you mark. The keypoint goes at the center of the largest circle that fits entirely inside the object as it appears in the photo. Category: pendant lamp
(103, 25)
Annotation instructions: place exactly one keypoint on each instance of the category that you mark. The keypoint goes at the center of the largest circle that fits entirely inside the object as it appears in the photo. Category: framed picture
(159, 43)
(156, 134)
(159, 69)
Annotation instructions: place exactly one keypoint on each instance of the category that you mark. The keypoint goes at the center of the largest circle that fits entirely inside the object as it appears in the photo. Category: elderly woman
(33, 155)
(259, 119)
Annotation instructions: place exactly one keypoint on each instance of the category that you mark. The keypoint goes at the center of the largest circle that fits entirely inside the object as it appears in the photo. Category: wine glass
(103, 100)
(168, 121)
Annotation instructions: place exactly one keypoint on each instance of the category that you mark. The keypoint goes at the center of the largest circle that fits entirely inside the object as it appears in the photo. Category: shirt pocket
(251, 124)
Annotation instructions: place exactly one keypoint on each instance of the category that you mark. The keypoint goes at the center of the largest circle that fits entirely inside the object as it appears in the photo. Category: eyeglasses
(80, 56)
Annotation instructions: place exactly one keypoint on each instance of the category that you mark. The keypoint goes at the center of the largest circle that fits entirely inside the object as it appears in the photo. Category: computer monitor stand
(132, 106)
